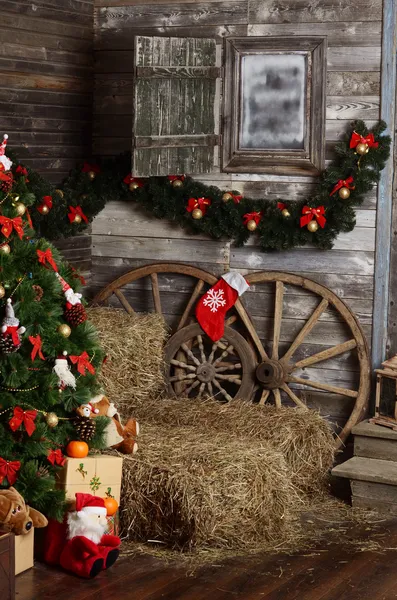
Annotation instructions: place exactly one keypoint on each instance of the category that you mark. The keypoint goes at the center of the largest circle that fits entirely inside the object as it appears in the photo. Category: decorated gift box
(99, 475)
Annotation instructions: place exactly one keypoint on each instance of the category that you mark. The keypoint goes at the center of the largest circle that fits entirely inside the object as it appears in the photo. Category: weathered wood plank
(8, 123)
(51, 42)
(45, 111)
(46, 82)
(41, 11)
(353, 83)
(352, 107)
(300, 11)
(363, 58)
(47, 26)
(34, 97)
(47, 68)
(42, 54)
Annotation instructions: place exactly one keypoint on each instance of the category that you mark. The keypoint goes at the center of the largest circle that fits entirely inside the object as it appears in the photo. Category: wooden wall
(123, 237)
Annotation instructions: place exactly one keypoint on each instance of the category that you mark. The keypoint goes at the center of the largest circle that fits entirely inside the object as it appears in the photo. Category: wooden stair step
(368, 469)
(366, 429)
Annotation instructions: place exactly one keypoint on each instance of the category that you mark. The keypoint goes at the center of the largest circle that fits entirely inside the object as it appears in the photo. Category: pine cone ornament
(7, 345)
(85, 428)
(75, 314)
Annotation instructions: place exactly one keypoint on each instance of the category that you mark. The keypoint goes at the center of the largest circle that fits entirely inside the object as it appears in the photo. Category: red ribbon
(9, 469)
(356, 138)
(26, 417)
(37, 346)
(236, 198)
(82, 363)
(254, 216)
(13, 331)
(55, 457)
(348, 183)
(5, 177)
(29, 219)
(9, 224)
(76, 210)
(77, 275)
(46, 256)
(201, 203)
(130, 179)
(281, 205)
(87, 167)
(313, 213)
(46, 201)
(172, 178)
(20, 170)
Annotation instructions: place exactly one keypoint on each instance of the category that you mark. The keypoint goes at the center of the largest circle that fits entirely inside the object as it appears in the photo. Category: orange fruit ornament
(111, 505)
(77, 449)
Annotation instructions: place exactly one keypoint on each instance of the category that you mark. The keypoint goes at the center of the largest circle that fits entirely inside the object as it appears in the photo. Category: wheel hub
(270, 374)
(205, 372)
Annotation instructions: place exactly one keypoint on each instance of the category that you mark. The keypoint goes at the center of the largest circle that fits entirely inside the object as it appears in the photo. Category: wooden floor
(342, 571)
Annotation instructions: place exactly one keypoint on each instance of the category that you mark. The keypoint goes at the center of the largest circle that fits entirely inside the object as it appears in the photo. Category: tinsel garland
(279, 224)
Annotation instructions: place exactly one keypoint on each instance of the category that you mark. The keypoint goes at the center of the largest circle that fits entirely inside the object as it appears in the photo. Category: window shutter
(176, 112)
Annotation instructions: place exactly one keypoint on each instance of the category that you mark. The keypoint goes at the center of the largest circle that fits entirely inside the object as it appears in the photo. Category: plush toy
(11, 332)
(87, 550)
(120, 437)
(75, 312)
(16, 516)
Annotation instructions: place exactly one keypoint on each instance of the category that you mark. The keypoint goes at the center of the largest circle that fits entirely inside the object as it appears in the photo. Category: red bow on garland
(9, 224)
(172, 178)
(26, 417)
(12, 330)
(348, 183)
(281, 205)
(236, 198)
(130, 179)
(77, 275)
(20, 170)
(46, 201)
(37, 346)
(29, 219)
(201, 203)
(9, 469)
(87, 168)
(76, 210)
(82, 363)
(47, 257)
(356, 138)
(310, 213)
(254, 216)
(55, 457)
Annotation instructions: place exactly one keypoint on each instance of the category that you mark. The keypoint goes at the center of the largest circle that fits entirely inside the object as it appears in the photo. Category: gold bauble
(77, 219)
(285, 212)
(227, 196)
(51, 419)
(91, 175)
(312, 226)
(362, 149)
(177, 183)
(5, 249)
(2, 291)
(344, 193)
(44, 209)
(133, 186)
(251, 225)
(60, 193)
(20, 208)
(197, 213)
(64, 330)
(15, 199)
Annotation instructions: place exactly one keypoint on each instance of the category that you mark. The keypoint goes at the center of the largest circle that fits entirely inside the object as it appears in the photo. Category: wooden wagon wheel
(275, 373)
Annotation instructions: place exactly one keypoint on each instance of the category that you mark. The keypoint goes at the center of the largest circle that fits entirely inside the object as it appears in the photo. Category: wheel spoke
(278, 315)
(229, 367)
(231, 378)
(213, 350)
(124, 302)
(201, 389)
(293, 396)
(189, 389)
(229, 350)
(230, 320)
(179, 363)
(325, 354)
(182, 377)
(156, 293)
(264, 396)
(306, 329)
(222, 391)
(250, 328)
(190, 354)
(324, 386)
(210, 388)
(277, 397)
(201, 348)
(189, 305)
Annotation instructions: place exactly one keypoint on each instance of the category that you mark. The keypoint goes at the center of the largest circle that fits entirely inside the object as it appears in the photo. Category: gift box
(24, 552)
(113, 527)
(98, 475)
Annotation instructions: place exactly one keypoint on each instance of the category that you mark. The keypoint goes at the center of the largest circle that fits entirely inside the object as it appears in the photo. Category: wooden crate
(7, 566)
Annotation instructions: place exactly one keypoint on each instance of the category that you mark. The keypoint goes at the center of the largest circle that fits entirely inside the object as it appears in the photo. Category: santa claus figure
(75, 312)
(88, 550)
(11, 332)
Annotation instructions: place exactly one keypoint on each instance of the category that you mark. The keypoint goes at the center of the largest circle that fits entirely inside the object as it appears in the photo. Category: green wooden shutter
(176, 112)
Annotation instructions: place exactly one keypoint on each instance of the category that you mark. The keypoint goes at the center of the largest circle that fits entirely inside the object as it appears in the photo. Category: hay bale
(133, 372)
(302, 436)
(190, 490)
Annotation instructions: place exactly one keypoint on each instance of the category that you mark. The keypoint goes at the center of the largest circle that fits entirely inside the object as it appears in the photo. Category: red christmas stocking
(213, 306)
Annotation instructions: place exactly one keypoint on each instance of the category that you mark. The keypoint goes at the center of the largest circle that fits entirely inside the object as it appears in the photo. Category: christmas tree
(49, 352)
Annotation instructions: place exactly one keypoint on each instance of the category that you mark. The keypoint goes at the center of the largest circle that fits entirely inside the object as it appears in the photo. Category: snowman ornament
(11, 332)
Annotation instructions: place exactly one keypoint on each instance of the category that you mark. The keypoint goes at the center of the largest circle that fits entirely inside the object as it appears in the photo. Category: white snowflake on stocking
(214, 300)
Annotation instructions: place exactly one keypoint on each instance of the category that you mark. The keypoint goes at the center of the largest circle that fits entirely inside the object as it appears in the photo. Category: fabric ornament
(55, 457)
(308, 214)
(253, 216)
(46, 205)
(75, 312)
(87, 168)
(25, 417)
(83, 363)
(213, 306)
(62, 370)
(46, 257)
(76, 210)
(356, 139)
(347, 183)
(4, 160)
(9, 470)
(10, 339)
(8, 225)
(201, 203)
(37, 347)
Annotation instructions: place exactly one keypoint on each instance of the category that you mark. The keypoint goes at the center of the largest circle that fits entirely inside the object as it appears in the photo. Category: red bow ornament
(128, 179)
(23, 172)
(356, 138)
(8, 225)
(82, 363)
(6, 177)
(201, 203)
(347, 183)
(308, 214)
(55, 457)
(281, 205)
(254, 216)
(172, 178)
(46, 202)
(46, 257)
(76, 210)
(9, 469)
(37, 346)
(87, 168)
(236, 198)
(26, 417)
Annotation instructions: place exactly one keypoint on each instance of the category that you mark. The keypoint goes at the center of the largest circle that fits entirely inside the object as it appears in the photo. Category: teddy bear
(120, 437)
(16, 516)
